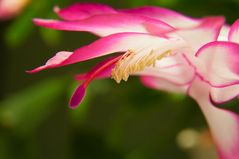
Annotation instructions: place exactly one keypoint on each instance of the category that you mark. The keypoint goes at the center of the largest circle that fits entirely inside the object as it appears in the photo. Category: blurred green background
(125, 121)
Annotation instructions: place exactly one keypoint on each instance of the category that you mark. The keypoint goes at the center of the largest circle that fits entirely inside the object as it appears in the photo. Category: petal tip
(36, 21)
(38, 69)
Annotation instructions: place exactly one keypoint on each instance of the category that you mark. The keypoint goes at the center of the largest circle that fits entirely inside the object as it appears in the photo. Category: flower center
(131, 62)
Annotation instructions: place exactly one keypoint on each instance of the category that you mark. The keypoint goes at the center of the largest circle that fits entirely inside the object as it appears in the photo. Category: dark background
(125, 121)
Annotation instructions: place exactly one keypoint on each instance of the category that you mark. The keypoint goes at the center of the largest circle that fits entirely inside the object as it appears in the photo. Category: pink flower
(11, 8)
(169, 51)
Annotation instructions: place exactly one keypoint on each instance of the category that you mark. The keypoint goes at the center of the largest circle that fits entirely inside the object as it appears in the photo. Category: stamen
(130, 63)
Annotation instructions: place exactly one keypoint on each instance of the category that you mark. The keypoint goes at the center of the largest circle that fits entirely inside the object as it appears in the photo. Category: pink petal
(163, 84)
(223, 35)
(218, 63)
(107, 24)
(234, 32)
(114, 43)
(224, 94)
(224, 124)
(79, 11)
(54, 61)
(208, 30)
(171, 17)
(215, 64)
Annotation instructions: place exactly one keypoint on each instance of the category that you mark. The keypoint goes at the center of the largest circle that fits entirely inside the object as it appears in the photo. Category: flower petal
(54, 61)
(224, 94)
(163, 84)
(223, 36)
(234, 32)
(208, 30)
(171, 17)
(107, 24)
(218, 63)
(121, 42)
(79, 11)
(224, 124)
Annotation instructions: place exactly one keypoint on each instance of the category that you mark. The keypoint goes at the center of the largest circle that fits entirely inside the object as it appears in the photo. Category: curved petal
(121, 42)
(223, 35)
(54, 61)
(218, 63)
(234, 32)
(107, 24)
(171, 17)
(163, 84)
(208, 30)
(79, 11)
(224, 94)
(224, 125)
